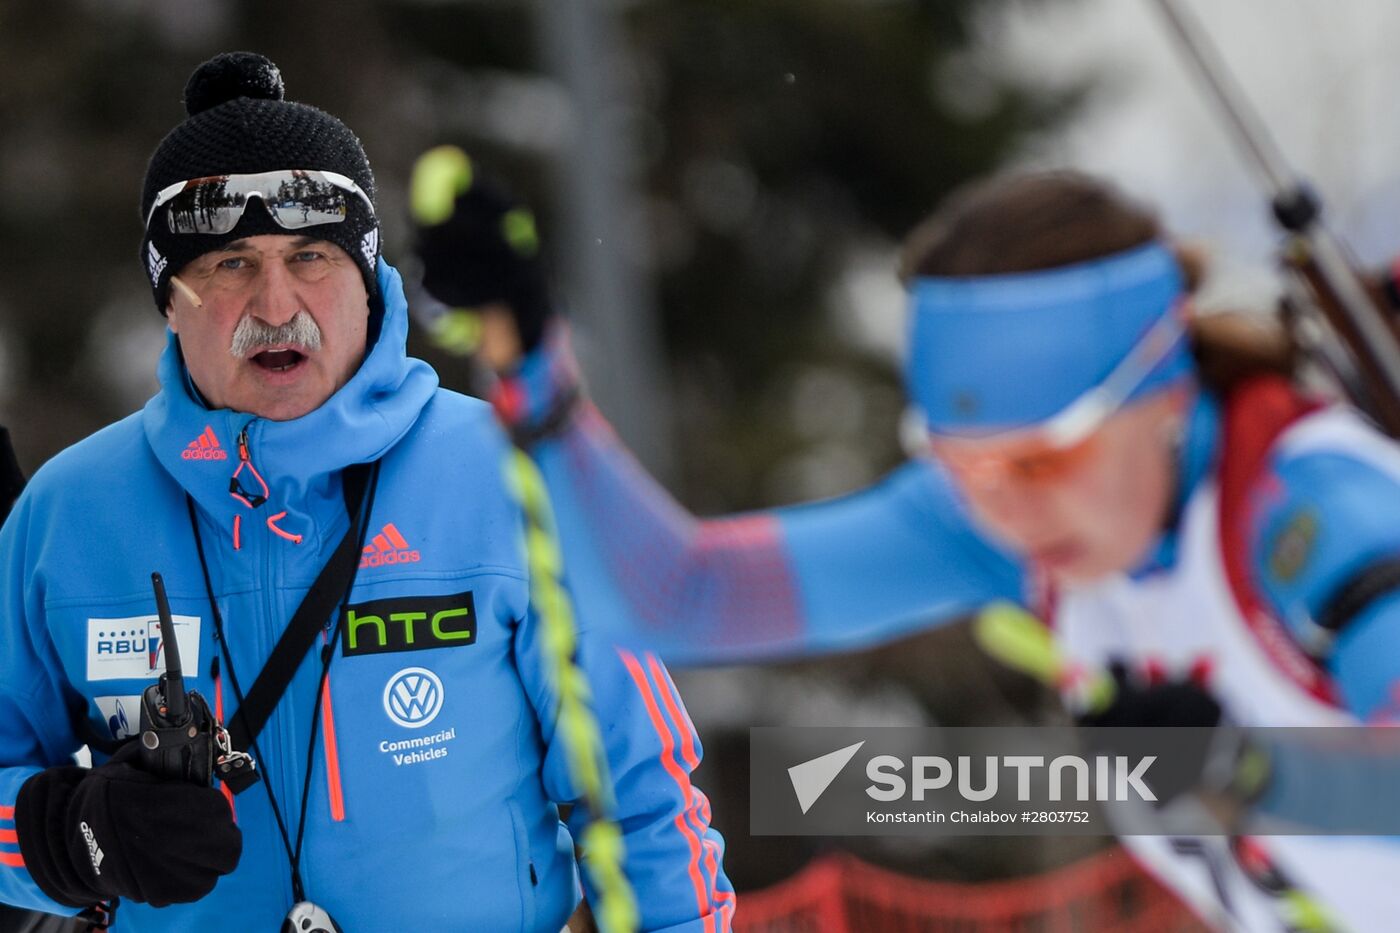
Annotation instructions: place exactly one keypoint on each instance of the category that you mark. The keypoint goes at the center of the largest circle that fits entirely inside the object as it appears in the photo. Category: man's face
(262, 283)
(1090, 511)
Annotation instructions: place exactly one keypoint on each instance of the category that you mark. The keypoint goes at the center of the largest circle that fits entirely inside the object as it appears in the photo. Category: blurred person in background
(292, 441)
(1154, 486)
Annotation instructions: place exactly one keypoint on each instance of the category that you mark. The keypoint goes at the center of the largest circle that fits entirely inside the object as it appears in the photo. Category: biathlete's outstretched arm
(831, 576)
(837, 575)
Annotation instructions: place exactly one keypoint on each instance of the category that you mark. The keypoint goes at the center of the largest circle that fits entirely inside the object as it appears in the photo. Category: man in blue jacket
(413, 767)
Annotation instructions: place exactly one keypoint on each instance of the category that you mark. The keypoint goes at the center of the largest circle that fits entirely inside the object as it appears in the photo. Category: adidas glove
(478, 245)
(89, 835)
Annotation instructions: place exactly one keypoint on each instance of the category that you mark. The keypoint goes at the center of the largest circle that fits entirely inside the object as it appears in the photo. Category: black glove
(478, 244)
(1219, 761)
(115, 831)
(1136, 703)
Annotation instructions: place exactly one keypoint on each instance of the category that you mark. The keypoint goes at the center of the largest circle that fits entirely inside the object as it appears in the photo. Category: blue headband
(1008, 351)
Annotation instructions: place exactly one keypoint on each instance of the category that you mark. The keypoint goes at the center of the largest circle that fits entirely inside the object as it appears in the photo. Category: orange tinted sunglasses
(1032, 461)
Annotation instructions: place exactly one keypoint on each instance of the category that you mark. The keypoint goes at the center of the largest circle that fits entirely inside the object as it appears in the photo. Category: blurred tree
(777, 137)
(792, 132)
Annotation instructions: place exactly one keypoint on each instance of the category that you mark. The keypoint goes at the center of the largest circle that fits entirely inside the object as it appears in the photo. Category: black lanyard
(336, 577)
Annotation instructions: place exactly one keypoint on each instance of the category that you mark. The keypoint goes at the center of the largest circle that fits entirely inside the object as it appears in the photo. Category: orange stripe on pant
(7, 813)
(12, 859)
(668, 761)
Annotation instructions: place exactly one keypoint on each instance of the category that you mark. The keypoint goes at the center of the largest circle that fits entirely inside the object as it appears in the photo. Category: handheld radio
(180, 738)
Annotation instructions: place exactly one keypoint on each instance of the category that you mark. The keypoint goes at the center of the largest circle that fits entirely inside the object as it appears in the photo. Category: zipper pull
(251, 500)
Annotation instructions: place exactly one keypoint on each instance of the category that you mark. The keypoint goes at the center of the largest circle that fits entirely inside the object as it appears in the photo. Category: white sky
(1324, 75)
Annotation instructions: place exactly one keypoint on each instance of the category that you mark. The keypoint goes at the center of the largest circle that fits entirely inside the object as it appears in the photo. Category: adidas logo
(155, 263)
(204, 447)
(369, 246)
(94, 851)
(388, 547)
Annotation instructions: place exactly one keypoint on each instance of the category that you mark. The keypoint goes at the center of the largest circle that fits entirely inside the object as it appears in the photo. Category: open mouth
(277, 361)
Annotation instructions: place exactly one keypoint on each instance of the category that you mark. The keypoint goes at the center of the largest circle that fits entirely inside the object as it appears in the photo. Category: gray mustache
(300, 331)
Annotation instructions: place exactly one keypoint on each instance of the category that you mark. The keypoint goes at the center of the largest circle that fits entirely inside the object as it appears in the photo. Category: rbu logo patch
(409, 623)
(131, 649)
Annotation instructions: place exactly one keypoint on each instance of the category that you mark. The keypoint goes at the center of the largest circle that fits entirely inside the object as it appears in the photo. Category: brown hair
(1042, 220)
(1020, 223)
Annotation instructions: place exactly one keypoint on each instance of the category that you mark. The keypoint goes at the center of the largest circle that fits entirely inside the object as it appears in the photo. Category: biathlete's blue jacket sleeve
(837, 575)
(1322, 518)
(621, 748)
(34, 729)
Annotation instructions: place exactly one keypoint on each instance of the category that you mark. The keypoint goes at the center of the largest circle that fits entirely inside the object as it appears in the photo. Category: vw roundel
(413, 697)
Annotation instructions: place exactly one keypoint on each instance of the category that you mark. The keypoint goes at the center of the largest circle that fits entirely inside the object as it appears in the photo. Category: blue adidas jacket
(438, 764)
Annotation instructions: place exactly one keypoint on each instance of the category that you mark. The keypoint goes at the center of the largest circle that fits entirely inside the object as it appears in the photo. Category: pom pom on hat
(229, 76)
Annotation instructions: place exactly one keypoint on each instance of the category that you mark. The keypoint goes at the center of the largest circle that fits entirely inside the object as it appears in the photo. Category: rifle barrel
(1314, 253)
(1248, 128)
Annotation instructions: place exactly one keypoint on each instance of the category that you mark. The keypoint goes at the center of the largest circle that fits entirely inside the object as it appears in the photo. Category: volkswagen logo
(413, 697)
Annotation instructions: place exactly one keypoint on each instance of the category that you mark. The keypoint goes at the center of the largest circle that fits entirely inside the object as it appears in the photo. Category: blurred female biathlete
(1243, 538)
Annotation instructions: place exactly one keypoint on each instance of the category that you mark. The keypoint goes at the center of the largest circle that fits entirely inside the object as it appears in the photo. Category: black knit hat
(239, 124)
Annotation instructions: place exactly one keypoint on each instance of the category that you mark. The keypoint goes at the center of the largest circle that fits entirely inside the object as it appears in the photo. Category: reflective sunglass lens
(294, 200)
(208, 207)
(304, 202)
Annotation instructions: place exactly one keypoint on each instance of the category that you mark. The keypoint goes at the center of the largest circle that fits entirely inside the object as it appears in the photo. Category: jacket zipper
(285, 736)
(334, 787)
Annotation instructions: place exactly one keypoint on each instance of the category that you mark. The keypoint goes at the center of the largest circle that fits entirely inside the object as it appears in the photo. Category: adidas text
(390, 557)
(94, 852)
